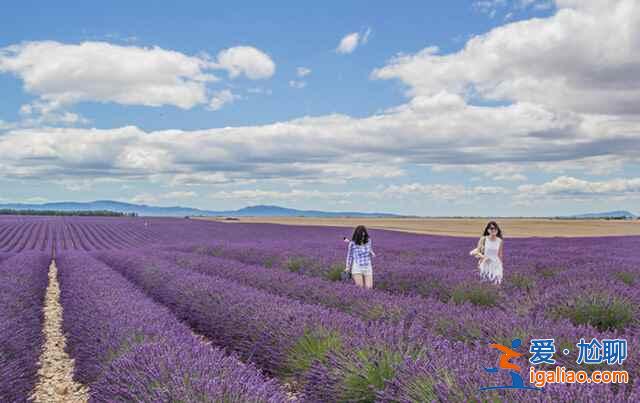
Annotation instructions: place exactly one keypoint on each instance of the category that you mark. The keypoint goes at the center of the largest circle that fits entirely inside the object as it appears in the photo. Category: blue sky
(490, 107)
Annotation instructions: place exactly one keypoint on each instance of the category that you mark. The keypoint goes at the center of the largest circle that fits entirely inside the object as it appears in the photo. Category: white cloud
(200, 178)
(442, 191)
(489, 7)
(247, 60)
(348, 43)
(64, 74)
(276, 195)
(598, 165)
(303, 71)
(440, 130)
(148, 198)
(221, 98)
(495, 172)
(567, 187)
(297, 84)
(561, 61)
(5, 125)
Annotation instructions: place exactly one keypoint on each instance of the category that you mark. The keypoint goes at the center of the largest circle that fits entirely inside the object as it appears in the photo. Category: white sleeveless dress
(491, 266)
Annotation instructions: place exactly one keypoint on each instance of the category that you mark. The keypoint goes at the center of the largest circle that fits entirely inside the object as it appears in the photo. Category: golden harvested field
(511, 227)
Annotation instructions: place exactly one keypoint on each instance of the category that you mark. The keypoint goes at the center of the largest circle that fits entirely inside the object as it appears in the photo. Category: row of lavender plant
(330, 355)
(128, 348)
(533, 268)
(23, 283)
(434, 266)
(463, 322)
(327, 354)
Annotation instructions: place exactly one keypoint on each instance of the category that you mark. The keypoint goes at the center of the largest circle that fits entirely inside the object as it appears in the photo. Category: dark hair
(360, 235)
(494, 224)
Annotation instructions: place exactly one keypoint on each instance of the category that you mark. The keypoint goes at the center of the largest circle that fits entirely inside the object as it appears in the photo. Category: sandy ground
(511, 227)
(56, 367)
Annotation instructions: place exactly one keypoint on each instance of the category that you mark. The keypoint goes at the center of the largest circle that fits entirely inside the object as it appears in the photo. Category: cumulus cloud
(561, 61)
(567, 186)
(442, 191)
(496, 172)
(441, 131)
(259, 195)
(221, 98)
(62, 75)
(98, 71)
(246, 60)
(350, 42)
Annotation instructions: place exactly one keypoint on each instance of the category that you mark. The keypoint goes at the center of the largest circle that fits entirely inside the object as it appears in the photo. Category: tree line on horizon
(88, 213)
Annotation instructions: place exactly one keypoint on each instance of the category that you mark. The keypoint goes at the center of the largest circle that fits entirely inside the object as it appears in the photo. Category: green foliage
(295, 264)
(313, 346)
(92, 213)
(477, 294)
(268, 262)
(127, 345)
(601, 311)
(434, 288)
(547, 272)
(522, 282)
(468, 332)
(421, 389)
(368, 372)
(335, 272)
(626, 277)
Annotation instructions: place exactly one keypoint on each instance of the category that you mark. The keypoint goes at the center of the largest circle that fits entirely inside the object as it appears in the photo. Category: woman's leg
(368, 281)
(358, 279)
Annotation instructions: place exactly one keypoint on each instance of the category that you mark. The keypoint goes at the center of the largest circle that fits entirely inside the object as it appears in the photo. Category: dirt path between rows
(56, 382)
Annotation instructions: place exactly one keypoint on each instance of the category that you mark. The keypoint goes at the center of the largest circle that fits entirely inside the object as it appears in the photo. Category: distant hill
(608, 214)
(178, 211)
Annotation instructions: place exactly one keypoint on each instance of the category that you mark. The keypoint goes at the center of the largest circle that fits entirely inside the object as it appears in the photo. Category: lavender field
(188, 310)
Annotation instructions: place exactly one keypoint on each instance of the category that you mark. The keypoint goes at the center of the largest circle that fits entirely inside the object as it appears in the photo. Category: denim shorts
(357, 269)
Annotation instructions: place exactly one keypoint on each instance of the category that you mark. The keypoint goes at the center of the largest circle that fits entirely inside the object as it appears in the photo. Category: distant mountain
(178, 211)
(608, 214)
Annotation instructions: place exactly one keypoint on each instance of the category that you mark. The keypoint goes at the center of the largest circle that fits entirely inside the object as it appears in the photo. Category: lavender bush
(127, 348)
(23, 283)
(288, 339)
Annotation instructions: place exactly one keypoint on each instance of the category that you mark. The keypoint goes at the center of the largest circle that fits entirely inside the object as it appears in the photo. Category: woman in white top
(489, 253)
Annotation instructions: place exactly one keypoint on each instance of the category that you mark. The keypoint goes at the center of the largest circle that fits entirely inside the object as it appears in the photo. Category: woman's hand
(346, 269)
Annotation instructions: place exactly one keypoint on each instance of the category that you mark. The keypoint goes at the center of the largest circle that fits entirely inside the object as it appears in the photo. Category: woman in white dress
(489, 253)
